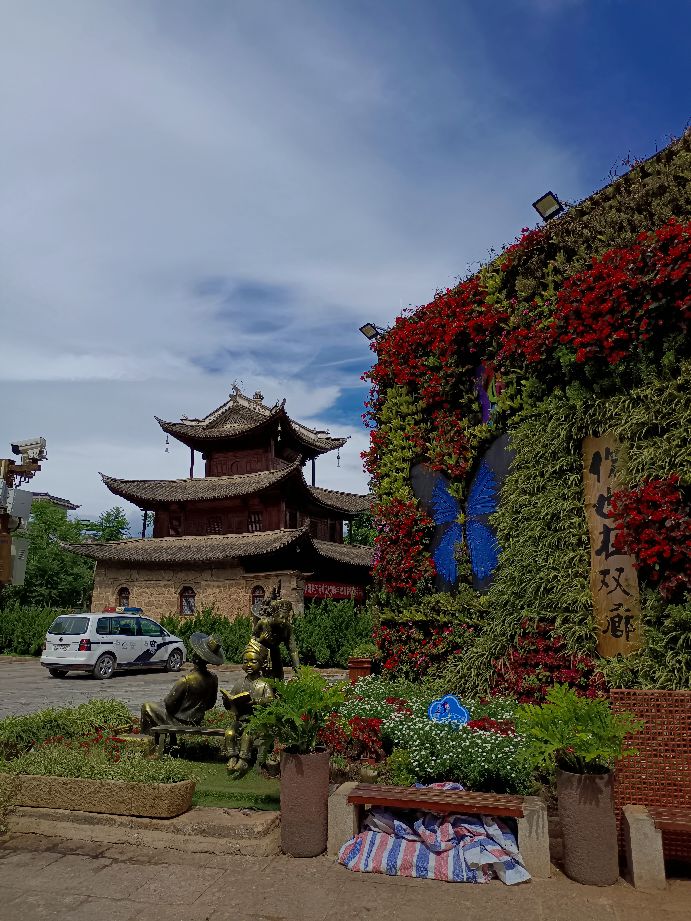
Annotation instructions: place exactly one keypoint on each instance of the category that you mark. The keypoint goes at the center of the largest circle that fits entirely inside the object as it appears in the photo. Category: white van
(102, 643)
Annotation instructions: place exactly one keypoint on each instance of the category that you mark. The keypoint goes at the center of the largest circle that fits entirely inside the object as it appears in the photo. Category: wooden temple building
(227, 538)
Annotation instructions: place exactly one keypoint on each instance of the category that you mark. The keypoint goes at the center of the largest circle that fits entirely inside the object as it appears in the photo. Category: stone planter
(113, 797)
(359, 667)
(304, 803)
(586, 812)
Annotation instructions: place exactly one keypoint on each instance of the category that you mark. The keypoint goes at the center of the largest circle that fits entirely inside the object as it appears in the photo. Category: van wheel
(105, 666)
(174, 661)
(57, 672)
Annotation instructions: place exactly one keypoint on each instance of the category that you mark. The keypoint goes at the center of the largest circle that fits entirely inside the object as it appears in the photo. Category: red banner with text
(336, 590)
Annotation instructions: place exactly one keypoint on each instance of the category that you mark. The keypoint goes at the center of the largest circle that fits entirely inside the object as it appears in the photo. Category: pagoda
(251, 524)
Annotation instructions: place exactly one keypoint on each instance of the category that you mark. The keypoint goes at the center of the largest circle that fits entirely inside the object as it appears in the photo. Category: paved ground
(25, 687)
(48, 879)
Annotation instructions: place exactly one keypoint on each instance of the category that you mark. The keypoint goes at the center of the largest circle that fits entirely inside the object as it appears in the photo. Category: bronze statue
(194, 694)
(271, 626)
(240, 701)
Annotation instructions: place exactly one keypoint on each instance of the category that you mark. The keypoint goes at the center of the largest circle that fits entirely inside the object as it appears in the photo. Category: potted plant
(300, 709)
(581, 739)
(360, 661)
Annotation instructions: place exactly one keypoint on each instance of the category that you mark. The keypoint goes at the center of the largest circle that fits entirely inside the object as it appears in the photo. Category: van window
(149, 628)
(69, 626)
(124, 626)
(103, 626)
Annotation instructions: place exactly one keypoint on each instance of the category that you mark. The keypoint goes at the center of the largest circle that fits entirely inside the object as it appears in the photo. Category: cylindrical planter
(359, 667)
(304, 803)
(586, 812)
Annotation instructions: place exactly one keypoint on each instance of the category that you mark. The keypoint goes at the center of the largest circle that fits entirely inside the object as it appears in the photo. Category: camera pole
(9, 469)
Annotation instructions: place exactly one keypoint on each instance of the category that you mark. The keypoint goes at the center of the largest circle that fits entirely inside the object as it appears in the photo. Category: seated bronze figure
(240, 700)
(194, 694)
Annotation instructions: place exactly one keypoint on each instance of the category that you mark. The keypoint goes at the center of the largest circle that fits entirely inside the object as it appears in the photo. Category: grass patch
(215, 788)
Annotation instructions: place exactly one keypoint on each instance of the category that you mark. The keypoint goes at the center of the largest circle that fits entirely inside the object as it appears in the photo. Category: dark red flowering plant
(653, 523)
(539, 660)
(409, 650)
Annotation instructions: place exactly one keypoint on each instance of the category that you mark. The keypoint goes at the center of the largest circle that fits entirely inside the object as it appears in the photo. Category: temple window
(254, 521)
(214, 525)
(258, 594)
(123, 597)
(187, 600)
(291, 518)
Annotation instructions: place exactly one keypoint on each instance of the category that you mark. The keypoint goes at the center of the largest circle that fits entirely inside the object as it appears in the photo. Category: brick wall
(156, 589)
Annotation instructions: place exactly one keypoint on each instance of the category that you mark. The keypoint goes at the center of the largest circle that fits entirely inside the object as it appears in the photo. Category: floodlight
(548, 206)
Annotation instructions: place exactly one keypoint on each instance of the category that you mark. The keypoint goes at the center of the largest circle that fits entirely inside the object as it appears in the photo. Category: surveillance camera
(32, 449)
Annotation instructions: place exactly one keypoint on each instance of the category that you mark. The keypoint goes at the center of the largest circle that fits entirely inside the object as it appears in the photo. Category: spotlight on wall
(548, 206)
(371, 331)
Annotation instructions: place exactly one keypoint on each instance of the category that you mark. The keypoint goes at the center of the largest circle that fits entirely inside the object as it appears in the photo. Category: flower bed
(55, 759)
(19, 733)
(387, 722)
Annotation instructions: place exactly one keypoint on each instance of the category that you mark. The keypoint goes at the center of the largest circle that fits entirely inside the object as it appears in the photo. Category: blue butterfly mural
(482, 543)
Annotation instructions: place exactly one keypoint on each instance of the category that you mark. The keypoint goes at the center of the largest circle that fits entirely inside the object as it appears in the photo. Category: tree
(111, 525)
(55, 577)
(361, 530)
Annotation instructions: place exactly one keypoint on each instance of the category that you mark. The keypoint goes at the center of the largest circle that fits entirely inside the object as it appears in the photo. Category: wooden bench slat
(444, 801)
(671, 818)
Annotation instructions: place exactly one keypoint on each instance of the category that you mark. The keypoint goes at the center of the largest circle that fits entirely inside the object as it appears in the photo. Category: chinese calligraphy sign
(613, 579)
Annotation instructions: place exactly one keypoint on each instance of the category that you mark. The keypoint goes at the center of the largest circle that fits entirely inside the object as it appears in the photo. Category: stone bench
(170, 732)
(643, 827)
(348, 803)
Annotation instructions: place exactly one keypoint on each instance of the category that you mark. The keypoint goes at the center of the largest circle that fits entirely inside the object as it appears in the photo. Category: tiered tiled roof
(149, 493)
(241, 415)
(354, 554)
(141, 492)
(217, 548)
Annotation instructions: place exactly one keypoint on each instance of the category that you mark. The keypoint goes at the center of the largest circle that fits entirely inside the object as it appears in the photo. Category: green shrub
(328, 631)
(575, 733)
(234, 634)
(398, 770)
(23, 628)
(299, 710)
(19, 733)
(65, 761)
(366, 650)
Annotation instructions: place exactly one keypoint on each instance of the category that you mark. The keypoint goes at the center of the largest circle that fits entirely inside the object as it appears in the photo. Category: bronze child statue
(194, 694)
(240, 700)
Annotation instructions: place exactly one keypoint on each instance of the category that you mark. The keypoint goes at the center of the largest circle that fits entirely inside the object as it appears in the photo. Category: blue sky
(198, 194)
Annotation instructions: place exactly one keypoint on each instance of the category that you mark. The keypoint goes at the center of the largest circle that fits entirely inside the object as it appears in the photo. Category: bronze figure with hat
(192, 695)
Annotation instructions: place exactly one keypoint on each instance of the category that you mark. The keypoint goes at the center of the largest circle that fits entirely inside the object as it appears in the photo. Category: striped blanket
(454, 848)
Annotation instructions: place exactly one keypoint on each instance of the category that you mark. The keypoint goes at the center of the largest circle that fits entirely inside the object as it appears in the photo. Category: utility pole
(15, 504)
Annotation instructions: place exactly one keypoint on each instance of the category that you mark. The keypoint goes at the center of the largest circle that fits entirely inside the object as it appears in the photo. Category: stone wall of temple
(157, 589)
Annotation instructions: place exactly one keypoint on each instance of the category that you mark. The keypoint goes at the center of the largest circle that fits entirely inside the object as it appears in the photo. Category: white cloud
(201, 193)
